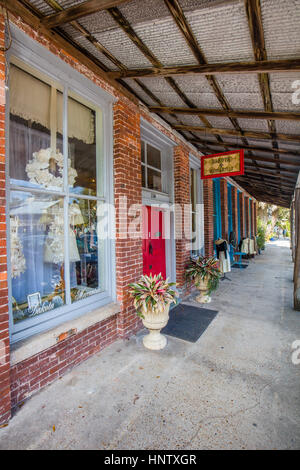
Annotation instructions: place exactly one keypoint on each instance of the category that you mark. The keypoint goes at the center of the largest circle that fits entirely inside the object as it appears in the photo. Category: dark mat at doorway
(240, 266)
(188, 322)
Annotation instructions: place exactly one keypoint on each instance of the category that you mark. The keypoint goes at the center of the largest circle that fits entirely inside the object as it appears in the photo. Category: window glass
(86, 257)
(154, 179)
(36, 253)
(153, 157)
(82, 148)
(143, 151)
(35, 133)
(151, 167)
(50, 223)
(143, 176)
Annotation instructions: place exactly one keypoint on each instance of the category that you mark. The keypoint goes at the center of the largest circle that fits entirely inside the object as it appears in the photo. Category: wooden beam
(272, 160)
(78, 11)
(255, 22)
(269, 180)
(263, 172)
(129, 31)
(282, 170)
(286, 65)
(233, 132)
(246, 147)
(17, 9)
(226, 113)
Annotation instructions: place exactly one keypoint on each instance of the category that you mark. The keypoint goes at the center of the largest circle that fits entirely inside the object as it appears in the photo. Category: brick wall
(182, 217)
(224, 207)
(208, 199)
(128, 184)
(234, 198)
(30, 375)
(247, 216)
(4, 318)
(253, 231)
(242, 214)
(255, 217)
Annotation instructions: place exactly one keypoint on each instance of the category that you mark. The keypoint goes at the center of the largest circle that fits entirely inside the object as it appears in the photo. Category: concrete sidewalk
(236, 388)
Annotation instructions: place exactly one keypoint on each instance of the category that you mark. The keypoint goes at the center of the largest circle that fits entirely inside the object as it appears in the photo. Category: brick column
(208, 200)
(5, 399)
(182, 216)
(255, 217)
(234, 200)
(128, 191)
(224, 208)
(252, 218)
(242, 214)
(247, 215)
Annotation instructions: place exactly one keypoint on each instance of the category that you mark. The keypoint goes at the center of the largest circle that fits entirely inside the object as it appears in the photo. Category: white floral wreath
(38, 169)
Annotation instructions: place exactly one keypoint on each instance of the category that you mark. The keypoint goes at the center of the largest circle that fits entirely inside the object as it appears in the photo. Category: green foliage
(204, 268)
(261, 234)
(152, 293)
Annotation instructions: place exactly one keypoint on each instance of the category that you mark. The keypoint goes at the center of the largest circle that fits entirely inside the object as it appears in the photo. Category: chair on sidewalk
(239, 261)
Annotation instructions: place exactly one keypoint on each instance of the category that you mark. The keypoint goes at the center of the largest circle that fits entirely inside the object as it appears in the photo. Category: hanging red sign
(222, 164)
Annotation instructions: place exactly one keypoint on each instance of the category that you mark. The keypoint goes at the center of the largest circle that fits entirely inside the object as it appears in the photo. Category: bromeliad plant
(152, 293)
(204, 268)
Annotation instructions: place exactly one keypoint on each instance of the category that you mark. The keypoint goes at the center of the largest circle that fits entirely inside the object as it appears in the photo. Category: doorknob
(150, 249)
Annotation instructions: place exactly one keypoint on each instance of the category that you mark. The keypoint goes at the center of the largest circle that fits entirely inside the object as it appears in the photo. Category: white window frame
(29, 54)
(145, 143)
(195, 164)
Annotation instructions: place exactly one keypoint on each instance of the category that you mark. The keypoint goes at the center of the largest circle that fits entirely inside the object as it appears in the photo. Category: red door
(154, 248)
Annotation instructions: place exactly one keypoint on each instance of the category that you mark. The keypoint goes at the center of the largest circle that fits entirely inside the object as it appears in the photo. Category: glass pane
(86, 264)
(154, 179)
(82, 148)
(153, 157)
(143, 151)
(143, 176)
(193, 182)
(35, 132)
(37, 254)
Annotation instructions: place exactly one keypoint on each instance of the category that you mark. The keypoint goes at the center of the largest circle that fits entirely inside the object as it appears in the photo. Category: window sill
(38, 343)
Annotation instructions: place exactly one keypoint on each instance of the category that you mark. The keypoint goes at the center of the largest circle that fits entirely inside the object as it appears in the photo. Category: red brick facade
(224, 208)
(182, 222)
(208, 200)
(242, 215)
(128, 187)
(5, 404)
(247, 216)
(32, 374)
(234, 199)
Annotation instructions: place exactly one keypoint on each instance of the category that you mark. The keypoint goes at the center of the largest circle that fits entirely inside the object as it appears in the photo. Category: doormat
(240, 266)
(188, 322)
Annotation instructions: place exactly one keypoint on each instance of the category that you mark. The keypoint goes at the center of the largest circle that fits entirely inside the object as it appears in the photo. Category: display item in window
(18, 262)
(43, 167)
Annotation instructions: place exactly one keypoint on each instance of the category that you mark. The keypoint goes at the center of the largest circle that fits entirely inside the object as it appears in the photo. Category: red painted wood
(154, 246)
(220, 175)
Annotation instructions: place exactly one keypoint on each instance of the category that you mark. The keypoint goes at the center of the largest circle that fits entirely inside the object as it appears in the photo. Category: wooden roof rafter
(182, 23)
(253, 10)
(127, 28)
(78, 11)
(85, 33)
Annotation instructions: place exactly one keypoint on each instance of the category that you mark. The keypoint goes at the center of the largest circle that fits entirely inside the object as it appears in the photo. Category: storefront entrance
(154, 248)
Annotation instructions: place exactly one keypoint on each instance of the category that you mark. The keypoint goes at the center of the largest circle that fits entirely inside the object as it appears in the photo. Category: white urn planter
(155, 320)
(202, 286)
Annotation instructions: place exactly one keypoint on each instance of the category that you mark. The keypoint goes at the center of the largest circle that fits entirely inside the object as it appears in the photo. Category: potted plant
(153, 296)
(205, 273)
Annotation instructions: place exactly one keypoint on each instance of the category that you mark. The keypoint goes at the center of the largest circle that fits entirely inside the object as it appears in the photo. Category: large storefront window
(56, 189)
